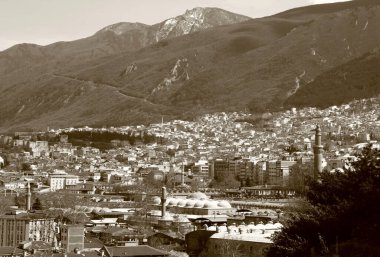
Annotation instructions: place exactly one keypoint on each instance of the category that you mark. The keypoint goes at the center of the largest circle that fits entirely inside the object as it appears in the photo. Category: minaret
(317, 152)
(163, 201)
(28, 197)
(183, 175)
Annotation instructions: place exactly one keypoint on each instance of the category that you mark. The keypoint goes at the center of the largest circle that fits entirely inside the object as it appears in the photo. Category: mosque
(195, 204)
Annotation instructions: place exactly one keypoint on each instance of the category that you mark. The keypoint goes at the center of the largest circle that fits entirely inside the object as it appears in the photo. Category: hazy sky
(47, 21)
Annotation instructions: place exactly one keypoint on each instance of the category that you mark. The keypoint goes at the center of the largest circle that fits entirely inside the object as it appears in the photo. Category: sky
(46, 21)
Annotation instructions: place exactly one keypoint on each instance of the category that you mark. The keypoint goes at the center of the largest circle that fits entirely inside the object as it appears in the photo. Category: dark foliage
(102, 140)
(225, 181)
(37, 205)
(300, 177)
(341, 212)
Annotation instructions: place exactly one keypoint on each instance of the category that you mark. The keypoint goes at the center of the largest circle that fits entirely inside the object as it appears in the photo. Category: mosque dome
(212, 228)
(260, 226)
(278, 225)
(198, 196)
(182, 219)
(211, 204)
(224, 204)
(182, 203)
(233, 228)
(173, 202)
(251, 225)
(270, 225)
(156, 200)
(190, 203)
(243, 228)
(223, 228)
(167, 217)
(167, 201)
(199, 204)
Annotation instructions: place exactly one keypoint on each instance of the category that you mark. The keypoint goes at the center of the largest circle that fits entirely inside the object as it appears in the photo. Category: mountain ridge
(103, 43)
(255, 64)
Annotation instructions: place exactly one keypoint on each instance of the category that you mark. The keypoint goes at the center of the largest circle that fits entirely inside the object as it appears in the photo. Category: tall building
(247, 171)
(72, 237)
(39, 148)
(236, 168)
(220, 168)
(261, 171)
(17, 227)
(283, 170)
(272, 172)
(318, 148)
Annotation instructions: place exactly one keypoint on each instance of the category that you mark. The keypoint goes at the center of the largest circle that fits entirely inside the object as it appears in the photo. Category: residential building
(17, 227)
(61, 180)
(72, 237)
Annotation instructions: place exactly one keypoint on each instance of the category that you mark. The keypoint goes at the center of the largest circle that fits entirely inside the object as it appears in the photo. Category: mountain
(113, 39)
(256, 64)
(359, 78)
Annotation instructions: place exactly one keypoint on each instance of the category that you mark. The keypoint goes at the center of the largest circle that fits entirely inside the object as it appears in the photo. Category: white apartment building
(60, 181)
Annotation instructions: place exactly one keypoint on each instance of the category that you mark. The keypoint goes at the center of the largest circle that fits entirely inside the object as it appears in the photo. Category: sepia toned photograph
(190, 128)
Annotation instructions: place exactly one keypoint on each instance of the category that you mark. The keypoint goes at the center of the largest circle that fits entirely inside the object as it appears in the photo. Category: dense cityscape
(203, 128)
(159, 188)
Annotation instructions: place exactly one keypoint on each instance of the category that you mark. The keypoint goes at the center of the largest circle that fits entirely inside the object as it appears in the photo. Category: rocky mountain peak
(196, 13)
(123, 27)
(196, 19)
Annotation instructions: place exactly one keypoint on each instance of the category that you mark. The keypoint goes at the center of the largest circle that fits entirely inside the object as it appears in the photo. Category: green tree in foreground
(340, 215)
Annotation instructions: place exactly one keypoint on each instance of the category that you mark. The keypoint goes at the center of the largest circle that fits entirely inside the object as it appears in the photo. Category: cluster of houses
(260, 155)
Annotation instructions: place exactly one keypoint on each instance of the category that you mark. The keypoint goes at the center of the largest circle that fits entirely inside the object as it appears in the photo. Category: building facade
(18, 227)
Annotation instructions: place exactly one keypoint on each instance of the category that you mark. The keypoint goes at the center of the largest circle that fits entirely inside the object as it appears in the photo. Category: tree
(248, 182)
(37, 205)
(68, 215)
(225, 181)
(299, 177)
(340, 212)
(226, 248)
(63, 200)
(6, 201)
(155, 180)
(26, 166)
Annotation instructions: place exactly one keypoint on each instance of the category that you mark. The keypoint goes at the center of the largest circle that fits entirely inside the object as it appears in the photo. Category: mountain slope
(256, 64)
(112, 40)
(359, 78)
